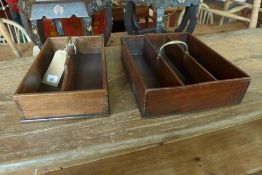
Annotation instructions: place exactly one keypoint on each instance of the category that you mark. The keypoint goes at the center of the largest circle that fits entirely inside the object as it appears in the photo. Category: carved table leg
(87, 24)
(35, 34)
(159, 23)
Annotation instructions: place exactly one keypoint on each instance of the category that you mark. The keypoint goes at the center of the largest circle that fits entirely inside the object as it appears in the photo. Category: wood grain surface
(236, 150)
(51, 145)
(25, 49)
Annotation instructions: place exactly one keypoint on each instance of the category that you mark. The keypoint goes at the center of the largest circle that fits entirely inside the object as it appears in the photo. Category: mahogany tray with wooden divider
(82, 92)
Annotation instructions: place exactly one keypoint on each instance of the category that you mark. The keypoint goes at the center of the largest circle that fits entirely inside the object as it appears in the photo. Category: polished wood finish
(82, 90)
(235, 150)
(46, 146)
(177, 81)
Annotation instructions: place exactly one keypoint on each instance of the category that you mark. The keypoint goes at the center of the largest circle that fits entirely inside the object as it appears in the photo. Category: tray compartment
(82, 91)
(33, 81)
(154, 73)
(187, 69)
(144, 71)
(216, 64)
(199, 86)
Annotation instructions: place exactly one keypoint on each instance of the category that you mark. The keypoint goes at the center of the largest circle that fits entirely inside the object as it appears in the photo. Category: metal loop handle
(171, 43)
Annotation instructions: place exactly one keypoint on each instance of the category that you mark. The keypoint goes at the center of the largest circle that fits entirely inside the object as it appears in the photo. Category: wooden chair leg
(226, 6)
(7, 37)
(254, 15)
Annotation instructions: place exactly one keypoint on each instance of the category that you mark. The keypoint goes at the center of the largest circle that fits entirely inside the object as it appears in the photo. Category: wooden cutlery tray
(82, 92)
(178, 81)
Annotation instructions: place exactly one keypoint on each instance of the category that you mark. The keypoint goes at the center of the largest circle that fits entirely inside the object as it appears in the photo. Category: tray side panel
(196, 97)
(63, 104)
(137, 83)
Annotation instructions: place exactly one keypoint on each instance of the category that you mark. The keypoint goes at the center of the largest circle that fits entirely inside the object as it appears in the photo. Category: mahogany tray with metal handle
(168, 77)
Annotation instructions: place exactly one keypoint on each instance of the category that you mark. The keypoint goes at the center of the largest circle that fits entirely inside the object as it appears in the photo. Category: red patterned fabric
(13, 5)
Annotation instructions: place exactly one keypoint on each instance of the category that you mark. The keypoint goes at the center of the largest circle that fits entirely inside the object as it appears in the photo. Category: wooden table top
(50, 145)
(235, 150)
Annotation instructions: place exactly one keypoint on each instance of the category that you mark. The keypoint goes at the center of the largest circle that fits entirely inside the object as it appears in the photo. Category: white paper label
(56, 68)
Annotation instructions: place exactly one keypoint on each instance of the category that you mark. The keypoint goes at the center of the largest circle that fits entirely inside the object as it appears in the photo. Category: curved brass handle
(171, 43)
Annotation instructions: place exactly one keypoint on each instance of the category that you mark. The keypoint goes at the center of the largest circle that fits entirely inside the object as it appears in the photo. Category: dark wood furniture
(33, 11)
